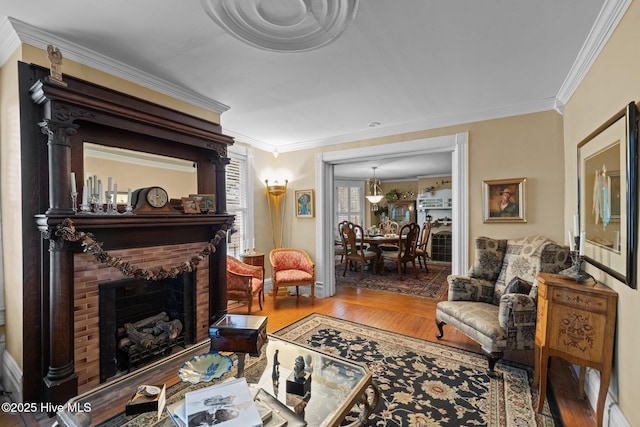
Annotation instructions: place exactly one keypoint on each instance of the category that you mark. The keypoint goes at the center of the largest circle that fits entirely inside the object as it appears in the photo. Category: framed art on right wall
(607, 195)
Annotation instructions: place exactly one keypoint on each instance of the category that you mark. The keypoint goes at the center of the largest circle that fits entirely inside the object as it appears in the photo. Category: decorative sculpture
(299, 382)
(55, 57)
(298, 369)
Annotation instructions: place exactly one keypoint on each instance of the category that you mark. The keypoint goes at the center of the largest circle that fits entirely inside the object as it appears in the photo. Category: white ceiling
(408, 65)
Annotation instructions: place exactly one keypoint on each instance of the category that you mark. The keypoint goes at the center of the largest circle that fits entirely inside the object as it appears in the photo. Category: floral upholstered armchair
(291, 267)
(244, 281)
(495, 304)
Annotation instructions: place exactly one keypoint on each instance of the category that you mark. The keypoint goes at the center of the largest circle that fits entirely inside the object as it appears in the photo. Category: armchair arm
(517, 311)
(465, 288)
(238, 282)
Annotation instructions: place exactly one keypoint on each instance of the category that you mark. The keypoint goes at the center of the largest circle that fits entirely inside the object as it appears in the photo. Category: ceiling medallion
(283, 25)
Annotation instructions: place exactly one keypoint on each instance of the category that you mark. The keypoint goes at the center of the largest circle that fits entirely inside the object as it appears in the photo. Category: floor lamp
(277, 203)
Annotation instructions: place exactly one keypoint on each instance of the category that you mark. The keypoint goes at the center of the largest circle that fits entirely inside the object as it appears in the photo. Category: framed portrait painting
(505, 200)
(607, 196)
(304, 204)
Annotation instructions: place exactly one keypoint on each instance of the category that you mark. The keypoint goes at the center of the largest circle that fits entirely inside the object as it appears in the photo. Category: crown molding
(35, 37)
(433, 123)
(9, 41)
(610, 15)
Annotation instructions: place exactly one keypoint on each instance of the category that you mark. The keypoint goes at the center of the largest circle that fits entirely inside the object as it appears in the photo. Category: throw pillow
(488, 260)
(518, 286)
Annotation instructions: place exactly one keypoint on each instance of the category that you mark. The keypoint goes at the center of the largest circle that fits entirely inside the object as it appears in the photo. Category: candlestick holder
(576, 272)
(109, 210)
(128, 210)
(74, 201)
(97, 206)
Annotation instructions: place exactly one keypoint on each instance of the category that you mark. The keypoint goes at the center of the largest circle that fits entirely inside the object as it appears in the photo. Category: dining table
(374, 242)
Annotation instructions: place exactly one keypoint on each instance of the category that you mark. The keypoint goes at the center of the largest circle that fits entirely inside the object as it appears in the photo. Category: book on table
(227, 404)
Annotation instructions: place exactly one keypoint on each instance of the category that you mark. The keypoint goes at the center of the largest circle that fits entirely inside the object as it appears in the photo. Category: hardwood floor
(402, 314)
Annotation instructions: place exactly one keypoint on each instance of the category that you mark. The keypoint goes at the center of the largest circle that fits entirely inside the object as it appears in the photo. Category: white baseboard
(613, 416)
(11, 376)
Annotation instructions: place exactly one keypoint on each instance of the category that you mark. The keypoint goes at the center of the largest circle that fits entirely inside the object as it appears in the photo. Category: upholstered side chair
(291, 267)
(496, 303)
(244, 281)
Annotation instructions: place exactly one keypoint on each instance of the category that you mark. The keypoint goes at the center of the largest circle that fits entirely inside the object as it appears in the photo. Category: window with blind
(349, 202)
(236, 179)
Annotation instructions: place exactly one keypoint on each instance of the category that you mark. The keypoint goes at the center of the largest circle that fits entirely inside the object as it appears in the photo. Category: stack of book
(231, 404)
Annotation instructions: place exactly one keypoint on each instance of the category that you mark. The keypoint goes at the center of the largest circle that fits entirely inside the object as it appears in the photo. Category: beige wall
(10, 184)
(611, 83)
(521, 146)
(495, 150)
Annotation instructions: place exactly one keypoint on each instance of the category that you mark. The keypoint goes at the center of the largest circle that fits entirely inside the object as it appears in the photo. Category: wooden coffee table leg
(368, 403)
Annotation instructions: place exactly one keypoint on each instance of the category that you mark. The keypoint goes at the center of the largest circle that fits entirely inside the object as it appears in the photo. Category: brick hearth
(88, 274)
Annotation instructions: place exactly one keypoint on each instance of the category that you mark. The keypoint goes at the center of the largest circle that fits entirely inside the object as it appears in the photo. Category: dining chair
(355, 250)
(406, 252)
(339, 247)
(421, 248)
(388, 227)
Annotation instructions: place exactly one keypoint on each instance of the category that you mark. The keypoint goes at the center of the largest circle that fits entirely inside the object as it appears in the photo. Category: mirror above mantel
(136, 169)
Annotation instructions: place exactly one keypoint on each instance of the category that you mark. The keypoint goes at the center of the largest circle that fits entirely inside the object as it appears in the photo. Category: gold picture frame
(305, 206)
(207, 202)
(190, 205)
(505, 200)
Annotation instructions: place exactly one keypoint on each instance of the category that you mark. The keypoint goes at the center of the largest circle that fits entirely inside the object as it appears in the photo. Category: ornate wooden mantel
(55, 121)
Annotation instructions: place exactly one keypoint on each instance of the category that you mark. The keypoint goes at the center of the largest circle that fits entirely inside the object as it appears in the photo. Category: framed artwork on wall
(607, 196)
(304, 204)
(505, 200)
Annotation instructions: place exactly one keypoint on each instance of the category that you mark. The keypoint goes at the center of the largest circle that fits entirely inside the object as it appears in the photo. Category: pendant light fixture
(376, 192)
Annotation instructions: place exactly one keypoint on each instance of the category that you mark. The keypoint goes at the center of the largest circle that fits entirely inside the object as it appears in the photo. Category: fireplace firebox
(144, 307)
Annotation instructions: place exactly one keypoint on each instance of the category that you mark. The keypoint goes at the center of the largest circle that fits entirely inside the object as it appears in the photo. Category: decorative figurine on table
(275, 373)
(299, 382)
(308, 366)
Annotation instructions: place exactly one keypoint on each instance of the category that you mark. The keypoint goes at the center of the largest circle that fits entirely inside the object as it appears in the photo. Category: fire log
(147, 321)
(172, 328)
(140, 338)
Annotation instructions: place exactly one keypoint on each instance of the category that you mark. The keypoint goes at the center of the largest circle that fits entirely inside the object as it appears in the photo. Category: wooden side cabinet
(256, 258)
(577, 323)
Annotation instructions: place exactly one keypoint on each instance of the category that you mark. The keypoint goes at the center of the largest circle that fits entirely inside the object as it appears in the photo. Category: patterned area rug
(427, 384)
(422, 384)
(428, 285)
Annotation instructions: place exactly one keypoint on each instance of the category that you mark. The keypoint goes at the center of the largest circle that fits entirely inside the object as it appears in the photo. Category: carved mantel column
(61, 381)
(59, 149)
(218, 260)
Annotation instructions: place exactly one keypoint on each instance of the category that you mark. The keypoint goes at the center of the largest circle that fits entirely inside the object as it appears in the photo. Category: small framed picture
(207, 202)
(190, 205)
(504, 200)
(304, 204)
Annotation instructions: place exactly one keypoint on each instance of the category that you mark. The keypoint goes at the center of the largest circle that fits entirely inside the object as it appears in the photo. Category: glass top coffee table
(336, 386)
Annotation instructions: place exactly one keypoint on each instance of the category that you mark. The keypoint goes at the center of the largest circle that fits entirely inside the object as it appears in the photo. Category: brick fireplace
(89, 274)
